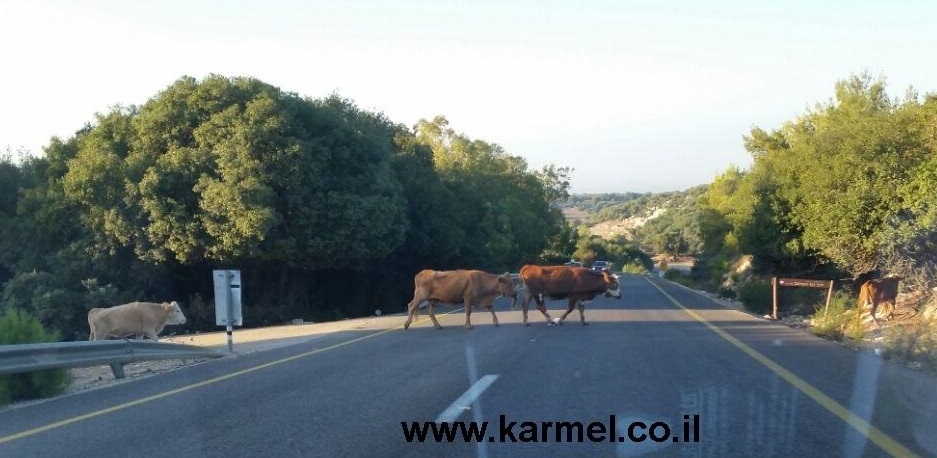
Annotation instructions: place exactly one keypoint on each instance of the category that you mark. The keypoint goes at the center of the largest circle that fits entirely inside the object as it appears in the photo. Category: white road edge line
(465, 401)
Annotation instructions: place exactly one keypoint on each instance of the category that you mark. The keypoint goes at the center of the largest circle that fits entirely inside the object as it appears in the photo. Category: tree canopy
(848, 186)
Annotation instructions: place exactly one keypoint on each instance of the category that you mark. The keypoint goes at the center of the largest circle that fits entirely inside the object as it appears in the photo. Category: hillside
(612, 215)
(625, 227)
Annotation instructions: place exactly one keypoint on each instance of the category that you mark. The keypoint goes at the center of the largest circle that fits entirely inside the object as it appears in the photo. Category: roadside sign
(227, 297)
(799, 283)
(804, 283)
(228, 301)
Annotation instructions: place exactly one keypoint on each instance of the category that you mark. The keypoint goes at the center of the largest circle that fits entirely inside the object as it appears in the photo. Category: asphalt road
(661, 363)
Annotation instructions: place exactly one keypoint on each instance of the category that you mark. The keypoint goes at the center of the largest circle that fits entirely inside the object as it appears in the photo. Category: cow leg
(525, 306)
(541, 305)
(489, 304)
(891, 310)
(432, 314)
(582, 314)
(468, 314)
(413, 311)
(569, 309)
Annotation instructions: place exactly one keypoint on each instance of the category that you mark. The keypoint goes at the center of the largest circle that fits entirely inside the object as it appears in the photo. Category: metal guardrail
(21, 358)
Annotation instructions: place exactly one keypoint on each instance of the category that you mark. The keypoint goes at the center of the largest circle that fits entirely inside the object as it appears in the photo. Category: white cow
(135, 319)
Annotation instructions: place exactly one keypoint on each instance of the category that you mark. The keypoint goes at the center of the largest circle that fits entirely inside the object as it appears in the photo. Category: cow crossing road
(718, 382)
(575, 284)
(473, 288)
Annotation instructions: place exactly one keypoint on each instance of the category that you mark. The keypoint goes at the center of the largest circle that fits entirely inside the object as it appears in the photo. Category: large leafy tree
(504, 209)
(830, 182)
(229, 168)
(9, 191)
(432, 208)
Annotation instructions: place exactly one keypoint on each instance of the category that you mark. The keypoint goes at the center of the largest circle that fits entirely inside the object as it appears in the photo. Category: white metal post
(230, 329)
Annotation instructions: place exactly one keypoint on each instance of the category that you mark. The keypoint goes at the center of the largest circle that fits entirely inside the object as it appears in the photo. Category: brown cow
(878, 291)
(136, 319)
(578, 284)
(469, 287)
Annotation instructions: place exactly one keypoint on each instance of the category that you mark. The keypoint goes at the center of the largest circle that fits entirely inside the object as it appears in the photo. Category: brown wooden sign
(800, 283)
(804, 283)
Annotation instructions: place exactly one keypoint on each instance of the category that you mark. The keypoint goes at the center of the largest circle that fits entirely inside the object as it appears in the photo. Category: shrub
(727, 293)
(677, 276)
(756, 296)
(913, 341)
(837, 321)
(19, 327)
(634, 267)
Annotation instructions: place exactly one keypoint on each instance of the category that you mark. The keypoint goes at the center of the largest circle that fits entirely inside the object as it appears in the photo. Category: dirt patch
(89, 378)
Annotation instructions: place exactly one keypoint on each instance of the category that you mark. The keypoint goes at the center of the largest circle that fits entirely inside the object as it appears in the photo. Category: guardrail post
(118, 370)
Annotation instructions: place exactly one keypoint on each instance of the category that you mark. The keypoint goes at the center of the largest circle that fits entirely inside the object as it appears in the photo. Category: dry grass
(909, 337)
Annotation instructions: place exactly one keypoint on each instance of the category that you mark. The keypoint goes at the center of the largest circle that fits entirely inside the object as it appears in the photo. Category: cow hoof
(585, 324)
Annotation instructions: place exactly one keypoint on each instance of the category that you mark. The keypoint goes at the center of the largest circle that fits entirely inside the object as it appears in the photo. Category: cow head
(175, 315)
(612, 289)
(506, 287)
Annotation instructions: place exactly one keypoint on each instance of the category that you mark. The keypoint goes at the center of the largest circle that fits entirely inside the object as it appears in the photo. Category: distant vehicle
(601, 266)
(573, 263)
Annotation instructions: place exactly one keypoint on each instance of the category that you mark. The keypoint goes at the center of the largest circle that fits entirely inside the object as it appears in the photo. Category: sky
(633, 96)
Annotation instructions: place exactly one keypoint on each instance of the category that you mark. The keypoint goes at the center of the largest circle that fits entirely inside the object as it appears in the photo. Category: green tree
(831, 180)
(9, 197)
(226, 169)
(504, 208)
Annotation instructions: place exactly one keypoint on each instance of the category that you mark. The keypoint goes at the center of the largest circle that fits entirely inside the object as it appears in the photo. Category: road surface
(661, 372)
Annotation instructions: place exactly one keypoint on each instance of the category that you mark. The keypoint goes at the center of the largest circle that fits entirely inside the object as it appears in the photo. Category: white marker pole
(230, 327)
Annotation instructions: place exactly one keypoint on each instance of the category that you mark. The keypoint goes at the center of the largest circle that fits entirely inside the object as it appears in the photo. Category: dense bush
(635, 267)
(756, 297)
(677, 276)
(838, 320)
(18, 327)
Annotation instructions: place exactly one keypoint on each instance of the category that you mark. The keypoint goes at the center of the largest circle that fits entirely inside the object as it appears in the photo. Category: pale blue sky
(634, 95)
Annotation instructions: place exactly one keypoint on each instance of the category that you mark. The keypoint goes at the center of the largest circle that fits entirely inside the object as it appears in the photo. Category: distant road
(719, 382)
